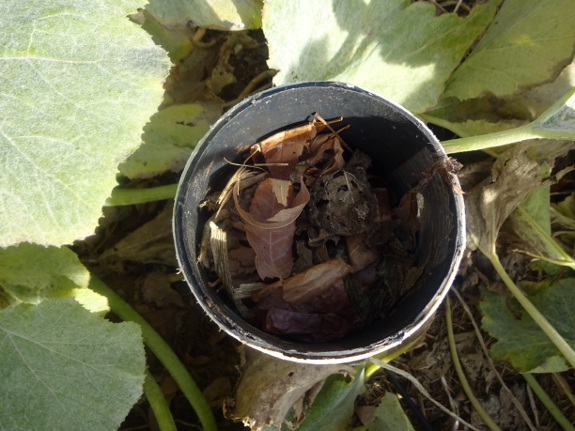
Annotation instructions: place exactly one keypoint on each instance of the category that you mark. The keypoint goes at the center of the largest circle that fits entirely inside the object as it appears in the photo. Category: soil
(151, 283)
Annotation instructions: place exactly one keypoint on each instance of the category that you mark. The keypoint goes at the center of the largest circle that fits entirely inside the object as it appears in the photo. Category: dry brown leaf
(282, 189)
(282, 218)
(273, 247)
(286, 147)
(305, 286)
(360, 254)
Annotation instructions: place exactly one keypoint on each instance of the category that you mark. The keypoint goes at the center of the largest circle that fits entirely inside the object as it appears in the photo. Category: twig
(163, 352)
(563, 385)
(459, 370)
(457, 3)
(438, 6)
(327, 124)
(420, 387)
(548, 403)
(533, 406)
(251, 87)
(159, 404)
(514, 400)
(197, 39)
(451, 401)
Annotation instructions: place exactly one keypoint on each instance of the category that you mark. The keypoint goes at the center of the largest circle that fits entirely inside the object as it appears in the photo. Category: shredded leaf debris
(315, 246)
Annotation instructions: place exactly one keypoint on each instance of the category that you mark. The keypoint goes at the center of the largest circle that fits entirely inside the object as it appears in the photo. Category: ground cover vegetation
(103, 102)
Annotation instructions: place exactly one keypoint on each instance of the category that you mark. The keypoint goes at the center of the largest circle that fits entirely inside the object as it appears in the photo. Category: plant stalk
(461, 375)
(141, 196)
(543, 323)
(159, 404)
(161, 349)
(548, 403)
(491, 140)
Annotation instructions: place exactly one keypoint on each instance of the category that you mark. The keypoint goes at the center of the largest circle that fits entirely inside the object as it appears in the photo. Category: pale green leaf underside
(63, 368)
(78, 81)
(389, 416)
(402, 51)
(31, 273)
(529, 42)
(169, 139)
(522, 342)
(217, 14)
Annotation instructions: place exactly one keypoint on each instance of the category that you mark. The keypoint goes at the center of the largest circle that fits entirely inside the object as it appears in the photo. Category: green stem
(491, 140)
(388, 357)
(543, 323)
(140, 196)
(159, 404)
(161, 349)
(548, 403)
(459, 370)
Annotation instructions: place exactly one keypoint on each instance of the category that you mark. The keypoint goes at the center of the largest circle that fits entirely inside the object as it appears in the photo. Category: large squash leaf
(216, 14)
(31, 273)
(169, 139)
(400, 50)
(64, 368)
(79, 80)
(528, 44)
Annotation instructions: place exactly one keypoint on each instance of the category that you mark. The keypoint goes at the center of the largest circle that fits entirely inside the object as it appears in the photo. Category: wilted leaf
(79, 80)
(64, 368)
(513, 176)
(520, 339)
(269, 388)
(217, 14)
(153, 242)
(400, 50)
(169, 139)
(32, 273)
(389, 416)
(503, 63)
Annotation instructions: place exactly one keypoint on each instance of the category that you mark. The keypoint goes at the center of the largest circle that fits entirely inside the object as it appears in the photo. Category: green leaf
(536, 203)
(216, 14)
(169, 139)
(558, 122)
(63, 368)
(31, 273)
(333, 407)
(539, 243)
(78, 82)
(174, 40)
(389, 416)
(520, 339)
(400, 50)
(528, 44)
